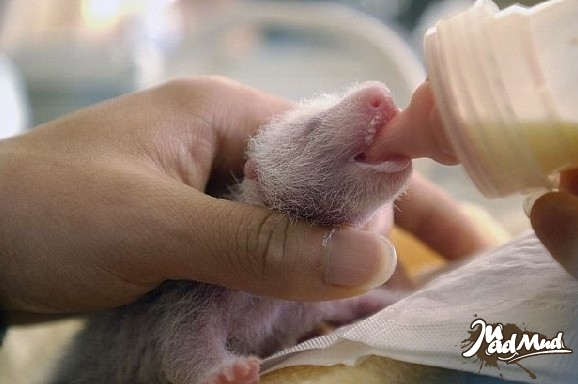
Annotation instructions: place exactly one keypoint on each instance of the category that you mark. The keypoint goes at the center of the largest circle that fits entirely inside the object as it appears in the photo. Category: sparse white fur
(305, 161)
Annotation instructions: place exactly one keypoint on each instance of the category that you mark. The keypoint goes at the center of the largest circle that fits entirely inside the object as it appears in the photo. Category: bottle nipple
(417, 131)
(500, 98)
(504, 83)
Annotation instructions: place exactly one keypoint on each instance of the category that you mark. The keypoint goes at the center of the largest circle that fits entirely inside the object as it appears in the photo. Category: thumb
(253, 249)
(554, 218)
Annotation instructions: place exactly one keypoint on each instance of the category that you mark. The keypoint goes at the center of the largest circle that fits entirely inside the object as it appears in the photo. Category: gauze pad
(518, 284)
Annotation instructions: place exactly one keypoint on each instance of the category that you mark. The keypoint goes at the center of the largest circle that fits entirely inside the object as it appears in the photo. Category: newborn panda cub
(307, 164)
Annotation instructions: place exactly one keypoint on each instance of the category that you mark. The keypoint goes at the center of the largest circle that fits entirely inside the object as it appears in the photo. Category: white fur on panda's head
(309, 163)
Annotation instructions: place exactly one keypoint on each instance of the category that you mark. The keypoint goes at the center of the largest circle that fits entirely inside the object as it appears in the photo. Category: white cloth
(518, 283)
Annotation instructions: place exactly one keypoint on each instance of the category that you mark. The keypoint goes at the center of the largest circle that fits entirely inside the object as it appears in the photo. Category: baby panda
(307, 164)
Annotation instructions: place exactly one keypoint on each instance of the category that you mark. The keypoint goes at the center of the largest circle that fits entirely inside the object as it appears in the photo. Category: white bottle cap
(505, 84)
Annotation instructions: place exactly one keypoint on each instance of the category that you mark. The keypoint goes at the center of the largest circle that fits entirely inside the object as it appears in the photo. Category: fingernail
(530, 200)
(354, 258)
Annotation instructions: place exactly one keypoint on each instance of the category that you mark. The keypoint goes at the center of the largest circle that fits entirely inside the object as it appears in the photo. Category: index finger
(439, 221)
(234, 112)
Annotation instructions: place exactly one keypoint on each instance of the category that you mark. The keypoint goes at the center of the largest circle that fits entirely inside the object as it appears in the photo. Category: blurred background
(71, 53)
(60, 55)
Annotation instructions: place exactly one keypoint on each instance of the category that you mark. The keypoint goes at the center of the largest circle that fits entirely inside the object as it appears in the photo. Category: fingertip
(530, 200)
(542, 210)
(387, 265)
(554, 218)
(357, 259)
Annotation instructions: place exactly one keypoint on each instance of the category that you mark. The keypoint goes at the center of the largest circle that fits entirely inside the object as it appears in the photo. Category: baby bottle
(506, 86)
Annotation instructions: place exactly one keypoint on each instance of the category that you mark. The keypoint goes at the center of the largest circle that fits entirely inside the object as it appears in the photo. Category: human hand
(99, 207)
(440, 221)
(554, 218)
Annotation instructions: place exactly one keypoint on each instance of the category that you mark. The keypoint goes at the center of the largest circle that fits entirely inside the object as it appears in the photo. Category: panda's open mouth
(389, 165)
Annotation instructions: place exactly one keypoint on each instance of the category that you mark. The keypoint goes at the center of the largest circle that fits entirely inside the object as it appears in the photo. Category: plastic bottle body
(506, 85)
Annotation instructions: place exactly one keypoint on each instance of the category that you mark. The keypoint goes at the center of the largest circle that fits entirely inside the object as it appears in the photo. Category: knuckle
(198, 84)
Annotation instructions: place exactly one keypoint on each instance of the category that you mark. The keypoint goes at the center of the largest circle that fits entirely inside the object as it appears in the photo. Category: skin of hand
(100, 206)
(438, 220)
(554, 218)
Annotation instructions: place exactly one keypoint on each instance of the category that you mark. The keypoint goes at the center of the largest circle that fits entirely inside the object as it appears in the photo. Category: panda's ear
(250, 170)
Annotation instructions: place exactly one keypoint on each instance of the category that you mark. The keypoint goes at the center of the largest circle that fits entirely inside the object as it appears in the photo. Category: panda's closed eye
(312, 125)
